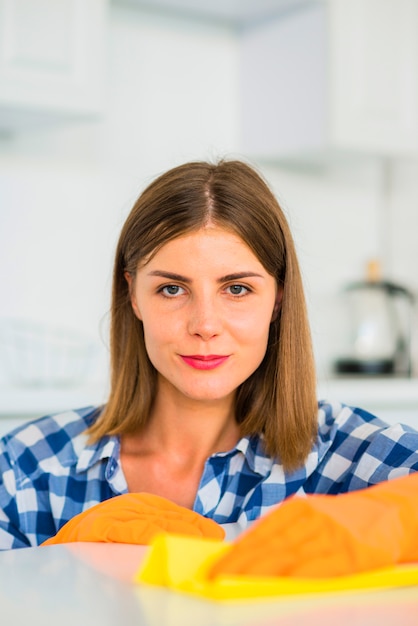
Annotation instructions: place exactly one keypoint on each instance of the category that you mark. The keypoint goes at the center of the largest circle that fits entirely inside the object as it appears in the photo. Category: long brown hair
(279, 398)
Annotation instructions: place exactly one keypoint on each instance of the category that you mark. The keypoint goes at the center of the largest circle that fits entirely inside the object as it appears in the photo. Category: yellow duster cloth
(328, 535)
(366, 539)
(135, 518)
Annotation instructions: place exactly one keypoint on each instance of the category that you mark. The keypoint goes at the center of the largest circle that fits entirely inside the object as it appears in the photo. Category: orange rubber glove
(327, 535)
(135, 518)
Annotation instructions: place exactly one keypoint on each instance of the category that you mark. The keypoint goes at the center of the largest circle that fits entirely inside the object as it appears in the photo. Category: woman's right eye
(170, 291)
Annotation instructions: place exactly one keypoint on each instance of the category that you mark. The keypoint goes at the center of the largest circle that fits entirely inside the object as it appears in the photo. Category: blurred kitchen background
(98, 97)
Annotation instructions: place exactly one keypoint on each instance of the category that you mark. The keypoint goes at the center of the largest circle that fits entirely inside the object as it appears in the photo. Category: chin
(209, 396)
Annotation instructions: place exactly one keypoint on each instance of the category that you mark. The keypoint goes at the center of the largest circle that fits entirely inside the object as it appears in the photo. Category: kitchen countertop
(91, 584)
(379, 391)
(394, 399)
(20, 404)
(37, 401)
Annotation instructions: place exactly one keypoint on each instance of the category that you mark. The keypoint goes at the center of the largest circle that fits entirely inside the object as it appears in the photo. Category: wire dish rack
(33, 354)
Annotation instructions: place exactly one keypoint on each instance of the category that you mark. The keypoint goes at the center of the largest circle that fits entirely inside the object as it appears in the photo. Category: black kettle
(377, 333)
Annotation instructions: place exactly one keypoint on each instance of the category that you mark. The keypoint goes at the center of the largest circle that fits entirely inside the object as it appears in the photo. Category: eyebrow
(222, 279)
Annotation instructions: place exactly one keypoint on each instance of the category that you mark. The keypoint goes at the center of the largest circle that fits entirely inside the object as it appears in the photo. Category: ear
(277, 304)
(131, 285)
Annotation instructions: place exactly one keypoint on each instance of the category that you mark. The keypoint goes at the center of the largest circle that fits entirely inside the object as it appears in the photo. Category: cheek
(254, 324)
(158, 332)
(154, 344)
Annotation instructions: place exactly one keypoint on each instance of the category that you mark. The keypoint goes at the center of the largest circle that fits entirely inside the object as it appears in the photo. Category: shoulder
(50, 436)
(337, 417)
(346, 427)
(356, 449)
(345, 433)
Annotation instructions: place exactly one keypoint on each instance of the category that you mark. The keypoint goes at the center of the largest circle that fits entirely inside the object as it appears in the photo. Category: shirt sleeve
(360, 450)
(10, 517)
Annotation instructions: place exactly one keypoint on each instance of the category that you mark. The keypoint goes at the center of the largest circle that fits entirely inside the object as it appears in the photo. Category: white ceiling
(237, 13)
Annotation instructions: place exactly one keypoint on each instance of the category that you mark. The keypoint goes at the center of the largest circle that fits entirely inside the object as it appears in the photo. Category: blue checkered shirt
(49, 473)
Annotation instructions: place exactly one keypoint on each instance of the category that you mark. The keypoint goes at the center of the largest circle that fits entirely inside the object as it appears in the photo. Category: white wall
(64, 193)
(172, 96)
(340, 221)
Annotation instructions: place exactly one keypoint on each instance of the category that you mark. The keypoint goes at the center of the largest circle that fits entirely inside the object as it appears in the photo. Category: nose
(204, 318)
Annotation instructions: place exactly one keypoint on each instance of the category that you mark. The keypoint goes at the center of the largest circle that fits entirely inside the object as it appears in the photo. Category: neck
(208, 427)
(189, 429)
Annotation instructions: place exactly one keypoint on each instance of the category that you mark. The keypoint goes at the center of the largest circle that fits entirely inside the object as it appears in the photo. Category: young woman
(213, 394)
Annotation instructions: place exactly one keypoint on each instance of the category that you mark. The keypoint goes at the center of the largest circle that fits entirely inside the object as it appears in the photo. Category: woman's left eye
(237, 290)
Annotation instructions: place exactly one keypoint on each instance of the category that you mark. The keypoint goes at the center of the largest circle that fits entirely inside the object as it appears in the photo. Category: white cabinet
(330, 78)
(51, 61)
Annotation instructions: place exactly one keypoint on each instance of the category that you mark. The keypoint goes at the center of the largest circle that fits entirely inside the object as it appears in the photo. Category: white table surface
(90, 584)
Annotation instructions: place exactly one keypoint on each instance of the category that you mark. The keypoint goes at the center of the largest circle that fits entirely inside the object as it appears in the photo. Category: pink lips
(207, 362)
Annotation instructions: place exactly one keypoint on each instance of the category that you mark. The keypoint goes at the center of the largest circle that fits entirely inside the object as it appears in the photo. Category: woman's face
(206, 304)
